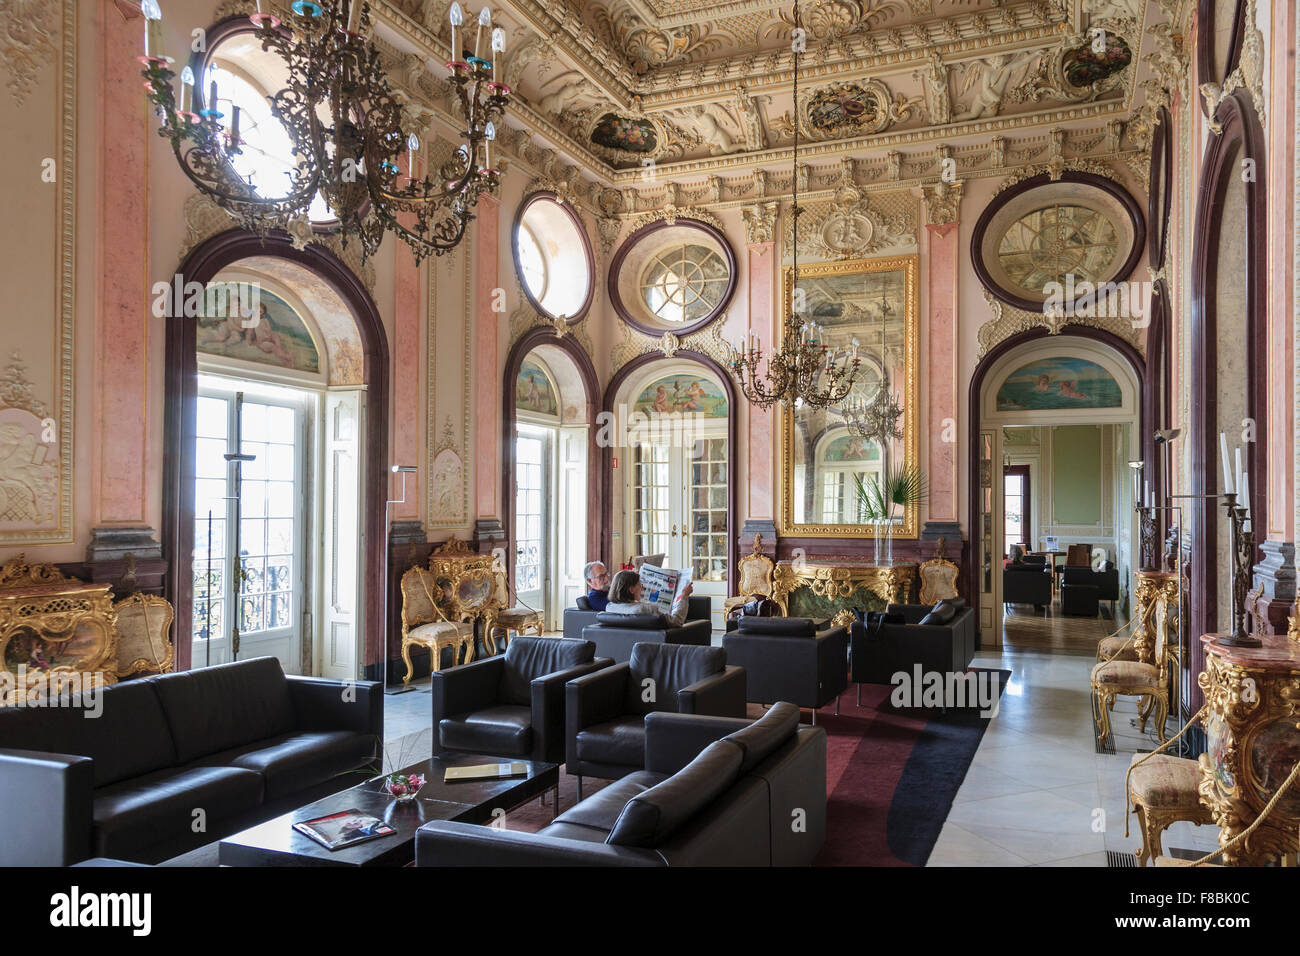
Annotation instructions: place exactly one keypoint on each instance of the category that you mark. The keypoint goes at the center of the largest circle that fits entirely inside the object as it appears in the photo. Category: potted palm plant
(880, 496)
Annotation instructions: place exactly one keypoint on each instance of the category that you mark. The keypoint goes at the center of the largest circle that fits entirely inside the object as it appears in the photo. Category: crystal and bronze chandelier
(346, 127)
(879, 420)
(805, 370)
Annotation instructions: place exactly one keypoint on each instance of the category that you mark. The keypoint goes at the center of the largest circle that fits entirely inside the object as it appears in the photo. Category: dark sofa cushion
(651, 817)
(159, 807)
(601, 810)
(130, 736)
(531, 657)
(504, 730)
(291, 763)
(670, 667)
(582, 603)
(220, 708)
(651, 622)
(620, 742)
(765, 735)
(941, 613)
(784, 626)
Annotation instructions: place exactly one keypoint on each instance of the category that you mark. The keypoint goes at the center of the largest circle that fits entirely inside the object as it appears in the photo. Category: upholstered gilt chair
(507, 618)
(1163, 789)
(1147, 681)
(938, 576)
(426, 624)
(756, 570)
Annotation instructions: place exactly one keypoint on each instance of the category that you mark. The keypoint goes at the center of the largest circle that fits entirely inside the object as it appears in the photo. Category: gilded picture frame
(909, 266)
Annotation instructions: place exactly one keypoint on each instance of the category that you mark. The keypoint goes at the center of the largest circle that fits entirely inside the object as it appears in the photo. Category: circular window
(1043, 236)
(672, 277)
(246, 78)
(553, 257)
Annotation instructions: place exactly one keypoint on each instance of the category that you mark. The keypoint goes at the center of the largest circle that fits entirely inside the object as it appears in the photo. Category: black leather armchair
(715, 791)
(1026, 584)
(876, 654)
(511, 705)
(605, 710)
(615, 634)
(699, 607)
(788, 659)
(1082, 588)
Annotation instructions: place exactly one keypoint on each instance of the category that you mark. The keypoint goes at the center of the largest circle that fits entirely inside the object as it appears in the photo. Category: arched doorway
(669, 446)
(1013, 417)
(549, 450)
(349, 422)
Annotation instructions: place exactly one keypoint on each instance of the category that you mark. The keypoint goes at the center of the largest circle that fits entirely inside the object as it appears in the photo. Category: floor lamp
(402, 470)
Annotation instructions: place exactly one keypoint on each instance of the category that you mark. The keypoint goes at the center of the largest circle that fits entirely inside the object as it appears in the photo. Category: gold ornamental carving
(891, 584)
(1248, 76)
(1006, 321)
(942, 203)
(760, 222)
(27, 29)
(1155, 602)
(1253, 738)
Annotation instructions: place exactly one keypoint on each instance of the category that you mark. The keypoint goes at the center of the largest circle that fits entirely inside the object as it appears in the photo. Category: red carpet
(891, 777)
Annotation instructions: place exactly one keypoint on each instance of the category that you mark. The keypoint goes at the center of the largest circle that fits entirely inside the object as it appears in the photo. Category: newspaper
(663, 586)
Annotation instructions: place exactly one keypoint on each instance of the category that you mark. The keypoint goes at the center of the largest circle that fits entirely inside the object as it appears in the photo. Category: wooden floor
(1052, 630)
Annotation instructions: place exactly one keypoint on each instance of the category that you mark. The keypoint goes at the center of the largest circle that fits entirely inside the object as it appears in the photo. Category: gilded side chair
(756, 570)
(426, 624)
(1148, 681)
(938, 576)
(509, 619)
(1162, 790)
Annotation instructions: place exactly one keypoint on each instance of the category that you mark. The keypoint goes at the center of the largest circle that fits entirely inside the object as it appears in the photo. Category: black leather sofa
(1026, 584)
(787, 658)
(240, 742)
(877, 654)
(605, 710)
(615, 634)
(715, 791)
(510, 705)
(698, 608)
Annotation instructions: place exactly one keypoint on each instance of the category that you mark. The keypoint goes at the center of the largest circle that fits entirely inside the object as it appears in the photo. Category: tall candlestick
(457, 17)
(1243, 494)
(1148, 491)
(1227, 464)
(1237, 471)
(498, 46)
(484, 20)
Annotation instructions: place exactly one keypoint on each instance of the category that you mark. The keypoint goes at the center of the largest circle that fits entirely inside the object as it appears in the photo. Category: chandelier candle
(484, 20)
(457, 17)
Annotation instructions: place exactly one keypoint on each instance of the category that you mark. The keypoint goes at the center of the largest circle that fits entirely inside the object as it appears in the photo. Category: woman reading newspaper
(627, 596)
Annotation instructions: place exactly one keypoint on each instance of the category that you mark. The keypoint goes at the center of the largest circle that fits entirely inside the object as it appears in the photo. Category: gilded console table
(52, 627)
(1252, 729)
(839, 585)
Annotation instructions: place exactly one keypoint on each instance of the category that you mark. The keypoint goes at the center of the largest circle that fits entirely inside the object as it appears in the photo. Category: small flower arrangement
(403, 786)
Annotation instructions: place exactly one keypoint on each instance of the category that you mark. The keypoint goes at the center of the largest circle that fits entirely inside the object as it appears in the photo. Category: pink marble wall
(487, 385)
(408, 385)
(122, 464)
(940, 387)
(761, 464)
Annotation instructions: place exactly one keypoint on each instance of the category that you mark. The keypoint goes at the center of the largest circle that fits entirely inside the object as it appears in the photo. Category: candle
(212, 96)
(153, 45)
(1227, 465)
(354, 15)
(484, 20)
(489, 133)
(1243, 493)
(234, 126)
(498, 46)
(187, 90)
(412, 144)
(1237, 471)
(1148, 490)
(457, 17)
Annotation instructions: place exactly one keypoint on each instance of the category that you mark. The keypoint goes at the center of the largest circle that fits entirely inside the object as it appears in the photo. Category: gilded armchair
(508, 618)
(1124, 678)
(1163, 790)
(756, 570)
(426, 624)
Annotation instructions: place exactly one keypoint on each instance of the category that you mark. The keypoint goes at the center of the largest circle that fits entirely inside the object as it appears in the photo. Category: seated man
(597, 578)
(625, 597)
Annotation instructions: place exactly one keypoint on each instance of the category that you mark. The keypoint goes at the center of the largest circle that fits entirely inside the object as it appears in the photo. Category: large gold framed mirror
(872, 301)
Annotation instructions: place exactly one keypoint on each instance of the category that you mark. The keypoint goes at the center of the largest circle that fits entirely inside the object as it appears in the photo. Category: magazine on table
(347, 828)
(663, 586)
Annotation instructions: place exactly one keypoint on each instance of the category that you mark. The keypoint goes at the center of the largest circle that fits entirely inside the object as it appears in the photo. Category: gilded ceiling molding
(1248, 76)
(671, 213)
(1057, 166)
(760, 222)
(1006, 321)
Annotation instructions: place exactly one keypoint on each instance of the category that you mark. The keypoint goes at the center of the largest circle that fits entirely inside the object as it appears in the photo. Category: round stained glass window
(672, 277)
(685, 283)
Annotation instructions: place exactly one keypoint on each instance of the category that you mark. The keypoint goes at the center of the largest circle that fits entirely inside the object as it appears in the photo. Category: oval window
(553, 258)
(672, 277)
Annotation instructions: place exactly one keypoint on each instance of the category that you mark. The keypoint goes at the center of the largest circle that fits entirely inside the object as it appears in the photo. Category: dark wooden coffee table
(277, 843)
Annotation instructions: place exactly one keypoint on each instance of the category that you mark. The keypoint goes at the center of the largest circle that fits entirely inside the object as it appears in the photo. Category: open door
(338, 638)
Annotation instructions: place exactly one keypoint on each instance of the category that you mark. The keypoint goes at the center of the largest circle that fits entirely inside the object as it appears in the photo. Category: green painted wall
(1076, 474)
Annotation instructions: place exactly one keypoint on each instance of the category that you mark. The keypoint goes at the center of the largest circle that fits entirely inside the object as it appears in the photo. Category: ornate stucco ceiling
(700, 90)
